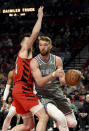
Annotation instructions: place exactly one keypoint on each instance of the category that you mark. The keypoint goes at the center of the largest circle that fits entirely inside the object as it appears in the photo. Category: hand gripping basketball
(57, 72)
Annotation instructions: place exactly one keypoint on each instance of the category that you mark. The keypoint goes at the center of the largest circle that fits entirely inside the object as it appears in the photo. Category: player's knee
(72, 123)
(71, 120)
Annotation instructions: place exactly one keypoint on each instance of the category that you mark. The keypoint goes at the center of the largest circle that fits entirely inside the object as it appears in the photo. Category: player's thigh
(39, 111)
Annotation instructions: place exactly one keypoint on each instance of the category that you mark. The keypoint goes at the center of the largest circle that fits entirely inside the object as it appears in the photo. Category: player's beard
(44, 53)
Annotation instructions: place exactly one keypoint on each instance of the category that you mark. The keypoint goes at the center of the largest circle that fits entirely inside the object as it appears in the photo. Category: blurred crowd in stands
(67, 39)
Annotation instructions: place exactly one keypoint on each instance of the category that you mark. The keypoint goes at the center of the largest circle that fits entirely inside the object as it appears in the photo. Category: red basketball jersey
(22, 71)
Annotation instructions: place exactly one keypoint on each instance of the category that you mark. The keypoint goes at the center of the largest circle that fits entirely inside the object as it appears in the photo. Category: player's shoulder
(10, 74)
(11, 71)
(58, 58)
(33, 62)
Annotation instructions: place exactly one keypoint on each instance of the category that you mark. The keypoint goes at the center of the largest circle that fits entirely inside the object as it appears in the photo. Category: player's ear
(21, 43)
(50, 46)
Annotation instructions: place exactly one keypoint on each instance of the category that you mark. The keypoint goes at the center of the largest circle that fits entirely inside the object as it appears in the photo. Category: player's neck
(27, 54)
(45, 58)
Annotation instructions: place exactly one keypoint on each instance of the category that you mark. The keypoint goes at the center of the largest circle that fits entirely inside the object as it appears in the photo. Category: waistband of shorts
(21, 83)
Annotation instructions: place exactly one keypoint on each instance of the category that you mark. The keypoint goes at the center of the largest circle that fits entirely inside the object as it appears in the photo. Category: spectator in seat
(84, 115)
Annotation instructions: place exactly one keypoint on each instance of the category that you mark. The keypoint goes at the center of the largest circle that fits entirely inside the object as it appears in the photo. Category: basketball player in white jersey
(47, 85)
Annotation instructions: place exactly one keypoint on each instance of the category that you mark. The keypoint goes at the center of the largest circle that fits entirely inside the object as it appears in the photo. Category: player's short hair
(45, 38)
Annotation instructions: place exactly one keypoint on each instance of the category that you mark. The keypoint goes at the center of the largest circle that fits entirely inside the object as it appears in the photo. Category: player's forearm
(44, 80)
(37, 27)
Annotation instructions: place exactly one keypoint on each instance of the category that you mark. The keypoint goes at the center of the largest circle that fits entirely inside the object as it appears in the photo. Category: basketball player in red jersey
(25, 101)
(12, 109)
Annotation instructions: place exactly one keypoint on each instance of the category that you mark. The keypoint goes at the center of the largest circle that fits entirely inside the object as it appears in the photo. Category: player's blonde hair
(45, 38)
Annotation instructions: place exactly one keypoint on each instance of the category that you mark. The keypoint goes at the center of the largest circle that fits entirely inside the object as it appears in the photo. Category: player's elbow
(40, 84)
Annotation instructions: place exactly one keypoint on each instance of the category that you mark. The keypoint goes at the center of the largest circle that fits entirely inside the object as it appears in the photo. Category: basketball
(72, 77)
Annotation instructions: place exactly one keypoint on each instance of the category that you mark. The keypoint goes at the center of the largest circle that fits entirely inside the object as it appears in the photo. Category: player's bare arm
(10, 77)
(28, 42)
(41, 81)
